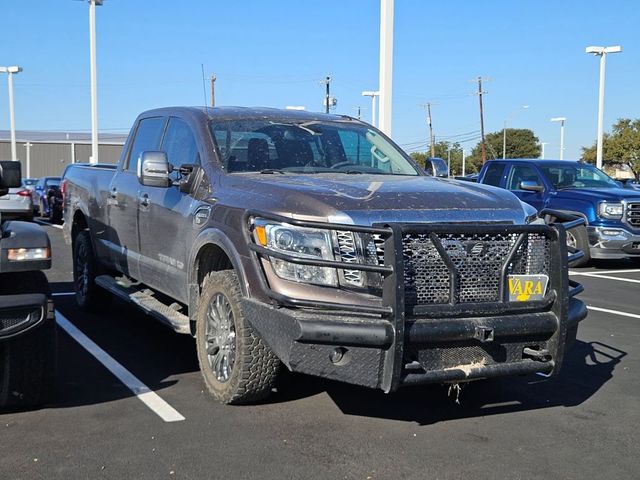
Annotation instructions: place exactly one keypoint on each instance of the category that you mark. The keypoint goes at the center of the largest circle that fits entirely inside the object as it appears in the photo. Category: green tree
(521, 143)
(621, 146)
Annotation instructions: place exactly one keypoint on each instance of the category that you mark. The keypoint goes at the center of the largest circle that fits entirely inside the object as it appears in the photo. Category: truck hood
(598, 194)
(365, 199)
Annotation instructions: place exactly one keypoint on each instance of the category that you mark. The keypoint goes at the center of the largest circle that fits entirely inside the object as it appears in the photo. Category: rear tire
(236, 365)
(89, 295)
(579, 238)
(28, 362)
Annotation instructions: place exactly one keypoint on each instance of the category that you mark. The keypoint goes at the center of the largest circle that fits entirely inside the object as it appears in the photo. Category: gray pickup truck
(310, 240)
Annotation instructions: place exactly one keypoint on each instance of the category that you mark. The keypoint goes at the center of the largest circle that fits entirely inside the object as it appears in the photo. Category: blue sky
(276, 52)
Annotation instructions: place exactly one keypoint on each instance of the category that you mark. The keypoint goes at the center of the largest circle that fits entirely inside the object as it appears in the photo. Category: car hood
(599, 194)
(366, 199)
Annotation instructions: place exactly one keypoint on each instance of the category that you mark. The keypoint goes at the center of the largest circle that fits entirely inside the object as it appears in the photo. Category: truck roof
(231, 113)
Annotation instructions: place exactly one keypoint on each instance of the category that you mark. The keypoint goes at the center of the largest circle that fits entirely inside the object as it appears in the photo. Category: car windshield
(53, 182)
(29, 182)
(311, 147)
(577, 176)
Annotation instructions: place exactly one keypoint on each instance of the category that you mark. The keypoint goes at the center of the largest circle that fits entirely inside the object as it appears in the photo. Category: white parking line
(150, 398)
(608, 277)
(614, 312)
(604, 272)
(42, 222)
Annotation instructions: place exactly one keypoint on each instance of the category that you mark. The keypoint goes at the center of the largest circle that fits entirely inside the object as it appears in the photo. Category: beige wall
(50, 159)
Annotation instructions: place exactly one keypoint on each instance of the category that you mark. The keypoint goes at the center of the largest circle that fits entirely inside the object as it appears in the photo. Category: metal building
(48, 153)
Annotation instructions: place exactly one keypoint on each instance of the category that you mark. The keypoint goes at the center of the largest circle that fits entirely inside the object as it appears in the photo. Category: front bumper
(395, 344)
(21, 313)
(355, 348)
(613, 242)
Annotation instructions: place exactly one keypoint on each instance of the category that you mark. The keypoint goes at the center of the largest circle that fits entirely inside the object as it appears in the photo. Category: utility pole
(28, 146)
(94, 76)
(483, 147)
(463, 162)
(386, 65)
(432, 148)
(327, 97)
(448, 162)
(542, 144)
(213, 90)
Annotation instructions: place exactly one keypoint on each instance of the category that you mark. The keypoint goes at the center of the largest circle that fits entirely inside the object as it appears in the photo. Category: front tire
(89, 295)
(236, 365)
(28, 361)
(579, 238)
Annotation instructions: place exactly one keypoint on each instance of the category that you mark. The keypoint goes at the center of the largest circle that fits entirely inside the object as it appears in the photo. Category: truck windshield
(577, 176)
(312, 147)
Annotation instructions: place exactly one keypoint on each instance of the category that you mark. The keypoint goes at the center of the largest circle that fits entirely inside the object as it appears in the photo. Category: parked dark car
(313, 242)
(612, 213)
(47, 198)
(27, 319)
(630, 183)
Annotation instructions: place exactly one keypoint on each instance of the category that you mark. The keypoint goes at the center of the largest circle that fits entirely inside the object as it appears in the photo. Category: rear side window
(493, 174)
(179, 143)
(147, 138)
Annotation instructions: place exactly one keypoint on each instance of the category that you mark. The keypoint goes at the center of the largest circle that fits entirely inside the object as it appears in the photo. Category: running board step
(145, 299)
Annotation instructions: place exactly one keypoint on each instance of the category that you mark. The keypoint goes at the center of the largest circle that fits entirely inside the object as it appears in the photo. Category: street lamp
(10, 71)
(602, 53)
(94, 86)
(561, 120)
(504, 132)
(543, 144)
(373, 95)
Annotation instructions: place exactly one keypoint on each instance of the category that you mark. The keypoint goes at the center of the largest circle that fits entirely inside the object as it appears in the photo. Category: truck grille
(476, 260)
(633, 214)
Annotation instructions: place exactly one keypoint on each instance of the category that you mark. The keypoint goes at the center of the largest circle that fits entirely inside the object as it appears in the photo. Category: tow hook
(537, 354)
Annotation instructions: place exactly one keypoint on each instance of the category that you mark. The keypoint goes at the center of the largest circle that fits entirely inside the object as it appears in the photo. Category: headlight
(610, 210)
(301, 242)
(22, 254)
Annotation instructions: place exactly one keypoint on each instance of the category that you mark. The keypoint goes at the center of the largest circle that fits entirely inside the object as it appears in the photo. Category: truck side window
(179, 143)
(147, 138)
(521, 173)
(493, 175)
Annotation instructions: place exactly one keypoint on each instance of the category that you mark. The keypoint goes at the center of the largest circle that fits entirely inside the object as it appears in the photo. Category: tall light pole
(94, 86)
(463, 162)
(10, 71)
(543, 144)
(28, 146)
(561, 120)
(374, 96)
(386, 64)
(504, 132)
(602, 53)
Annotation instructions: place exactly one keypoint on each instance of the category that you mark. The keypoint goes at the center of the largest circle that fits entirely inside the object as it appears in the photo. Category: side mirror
(154, 169)
(10, 176)
(531, 186)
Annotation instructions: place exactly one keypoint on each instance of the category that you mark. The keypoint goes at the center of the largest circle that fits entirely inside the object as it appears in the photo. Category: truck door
(123, 198)
(520, 173)
(165, 223)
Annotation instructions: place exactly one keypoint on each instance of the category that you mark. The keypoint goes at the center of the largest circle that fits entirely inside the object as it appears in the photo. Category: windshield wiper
(272, 170)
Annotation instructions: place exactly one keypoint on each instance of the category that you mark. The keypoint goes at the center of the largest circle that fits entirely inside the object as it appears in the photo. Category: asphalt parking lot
(582, 424)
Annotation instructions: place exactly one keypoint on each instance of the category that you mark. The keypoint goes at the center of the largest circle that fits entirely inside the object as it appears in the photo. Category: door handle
(144, 200)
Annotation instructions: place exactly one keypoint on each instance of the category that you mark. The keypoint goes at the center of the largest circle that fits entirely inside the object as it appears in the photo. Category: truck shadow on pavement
(587, 367)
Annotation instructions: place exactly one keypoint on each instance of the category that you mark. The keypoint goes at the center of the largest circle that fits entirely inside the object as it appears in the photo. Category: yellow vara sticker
(524, 288)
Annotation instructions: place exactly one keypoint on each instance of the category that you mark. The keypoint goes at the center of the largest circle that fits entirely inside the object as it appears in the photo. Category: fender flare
(216, 237)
